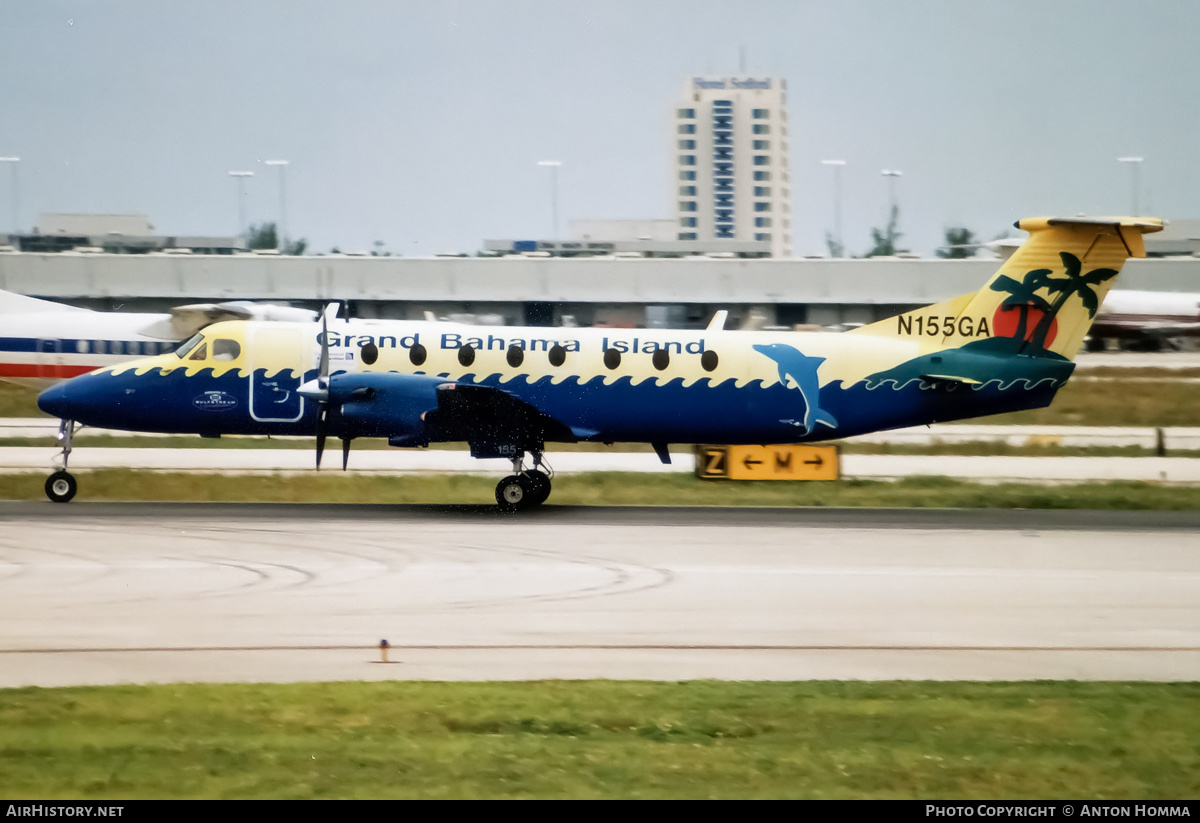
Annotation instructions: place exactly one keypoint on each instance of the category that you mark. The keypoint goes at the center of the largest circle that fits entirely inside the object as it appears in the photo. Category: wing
(417, 409)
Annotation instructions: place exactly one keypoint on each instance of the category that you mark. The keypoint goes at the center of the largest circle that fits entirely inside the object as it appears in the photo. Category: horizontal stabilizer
(18, 304)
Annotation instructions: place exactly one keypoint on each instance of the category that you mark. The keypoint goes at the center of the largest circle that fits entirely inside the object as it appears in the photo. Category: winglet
(718, 321)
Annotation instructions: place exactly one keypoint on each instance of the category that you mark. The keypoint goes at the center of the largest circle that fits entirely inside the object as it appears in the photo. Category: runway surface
(116, 593)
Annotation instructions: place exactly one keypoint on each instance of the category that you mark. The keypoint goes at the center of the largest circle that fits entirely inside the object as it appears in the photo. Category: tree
(960, 244)
(265, 236)
(885, 241)
(262, 236)
(836, 249)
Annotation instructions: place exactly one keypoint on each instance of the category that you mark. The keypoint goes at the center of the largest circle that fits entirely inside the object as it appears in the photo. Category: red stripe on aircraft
(47, 371)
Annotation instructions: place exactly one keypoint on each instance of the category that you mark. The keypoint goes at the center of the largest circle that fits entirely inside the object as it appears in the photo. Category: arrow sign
(789, 461)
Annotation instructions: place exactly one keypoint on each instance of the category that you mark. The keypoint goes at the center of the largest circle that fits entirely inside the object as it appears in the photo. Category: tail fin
(18, 304)
(1046, 294)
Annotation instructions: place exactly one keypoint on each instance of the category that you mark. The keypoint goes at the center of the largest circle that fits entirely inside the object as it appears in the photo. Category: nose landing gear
(61, 485)
(524, 488)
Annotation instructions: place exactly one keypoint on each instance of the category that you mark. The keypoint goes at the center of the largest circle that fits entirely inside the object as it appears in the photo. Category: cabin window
(515, 356)
(558, 355)
(81, 346)
(201, 352)
(466, 354)
(417, 355)
(709, 360)
(369, 353)
(183, 350)
(612, 358)
(661, 359)
(226, 350)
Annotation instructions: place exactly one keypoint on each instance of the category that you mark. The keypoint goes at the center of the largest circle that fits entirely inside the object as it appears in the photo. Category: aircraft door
(277, 369)
(49, 359)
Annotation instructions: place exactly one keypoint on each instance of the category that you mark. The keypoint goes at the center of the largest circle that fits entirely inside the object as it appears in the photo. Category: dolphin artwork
(803, 372)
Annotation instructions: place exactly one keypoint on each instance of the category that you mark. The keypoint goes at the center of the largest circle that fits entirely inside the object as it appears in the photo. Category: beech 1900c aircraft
(508, 391)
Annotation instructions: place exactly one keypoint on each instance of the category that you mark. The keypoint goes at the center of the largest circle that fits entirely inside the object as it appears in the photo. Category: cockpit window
(183, 350)
(201, 352)
(226, 349)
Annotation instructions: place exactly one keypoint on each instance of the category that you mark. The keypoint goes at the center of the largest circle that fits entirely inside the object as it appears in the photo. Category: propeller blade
(345, 452)
(322, 392)
(323, 368)
(320, 435)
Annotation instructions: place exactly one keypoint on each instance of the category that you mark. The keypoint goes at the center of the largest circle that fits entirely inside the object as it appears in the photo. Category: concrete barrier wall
(869, 282)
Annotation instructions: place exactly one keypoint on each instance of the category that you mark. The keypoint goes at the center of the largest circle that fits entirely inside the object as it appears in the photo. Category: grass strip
(603, 739)
(609, 489)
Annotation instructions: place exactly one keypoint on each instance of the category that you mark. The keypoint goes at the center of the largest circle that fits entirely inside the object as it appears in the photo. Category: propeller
(318, 390)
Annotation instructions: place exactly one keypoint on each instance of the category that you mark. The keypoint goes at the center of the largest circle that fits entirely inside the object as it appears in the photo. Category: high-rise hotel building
(731, 154)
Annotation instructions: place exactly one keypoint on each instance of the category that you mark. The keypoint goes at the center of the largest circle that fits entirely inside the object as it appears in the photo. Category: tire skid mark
(622, 579)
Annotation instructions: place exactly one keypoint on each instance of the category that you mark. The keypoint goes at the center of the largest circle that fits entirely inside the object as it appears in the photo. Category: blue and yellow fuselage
(608, 385)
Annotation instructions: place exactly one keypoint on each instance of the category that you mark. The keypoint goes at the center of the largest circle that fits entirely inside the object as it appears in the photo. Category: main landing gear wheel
(61, 487)
(515, 493)
(524, 488)
(539, 484)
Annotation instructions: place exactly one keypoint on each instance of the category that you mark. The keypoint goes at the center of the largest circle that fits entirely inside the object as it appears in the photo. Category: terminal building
(112, 234)
(547, 291)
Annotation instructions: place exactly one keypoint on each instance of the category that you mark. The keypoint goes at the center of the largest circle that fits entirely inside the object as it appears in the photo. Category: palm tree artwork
(1023, 297)
(1073, 284)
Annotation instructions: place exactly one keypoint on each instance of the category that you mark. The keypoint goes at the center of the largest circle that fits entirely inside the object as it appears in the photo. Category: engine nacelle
(383, 404)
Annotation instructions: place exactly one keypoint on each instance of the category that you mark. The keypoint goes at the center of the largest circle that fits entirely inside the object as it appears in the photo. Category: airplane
(1145, 320)
(44, 342)
(508, 391)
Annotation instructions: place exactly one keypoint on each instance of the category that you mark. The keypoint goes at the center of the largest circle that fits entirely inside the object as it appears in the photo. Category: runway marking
(608, 646)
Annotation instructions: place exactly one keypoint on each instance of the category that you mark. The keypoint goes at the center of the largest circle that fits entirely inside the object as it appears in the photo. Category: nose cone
(55, 401)
(90, 399)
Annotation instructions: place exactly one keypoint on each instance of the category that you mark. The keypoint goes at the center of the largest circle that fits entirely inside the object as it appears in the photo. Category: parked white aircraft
(43, 342)
(1146, 319)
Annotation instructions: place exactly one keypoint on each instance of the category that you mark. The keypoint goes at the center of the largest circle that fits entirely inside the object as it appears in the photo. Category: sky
(419, 125)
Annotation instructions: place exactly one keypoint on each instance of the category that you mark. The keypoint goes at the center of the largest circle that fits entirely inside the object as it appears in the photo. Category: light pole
(16, 196)
(837, 201)
(1135, 163)
(241, 178)
(891, 175)
(553, 164)
(282, 232)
